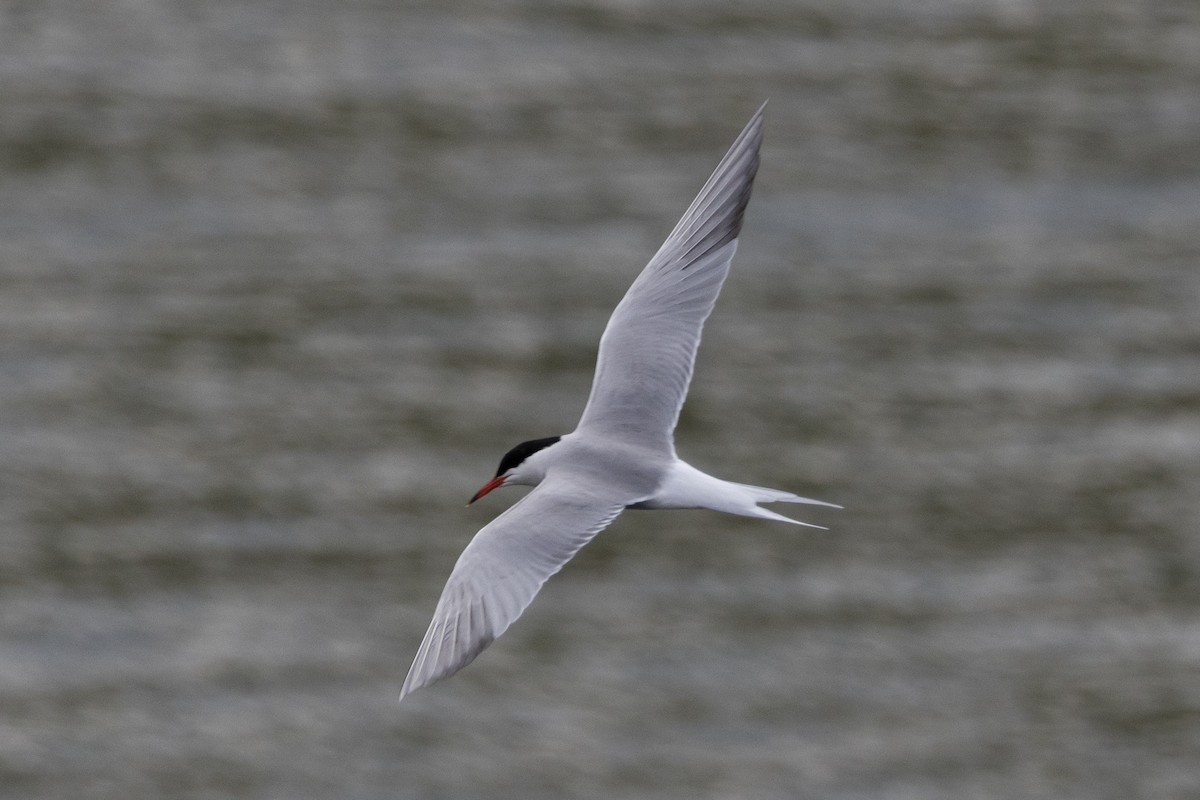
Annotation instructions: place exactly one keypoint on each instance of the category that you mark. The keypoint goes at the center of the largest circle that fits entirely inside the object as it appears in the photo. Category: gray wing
(649, 346)
(502, 569)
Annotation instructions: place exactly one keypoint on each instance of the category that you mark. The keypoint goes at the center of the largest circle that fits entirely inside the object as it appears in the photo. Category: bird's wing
(649, 346)
(503, 568)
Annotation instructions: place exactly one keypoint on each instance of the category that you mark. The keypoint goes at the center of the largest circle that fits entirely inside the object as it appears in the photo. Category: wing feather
(502, 570)
(649, 346)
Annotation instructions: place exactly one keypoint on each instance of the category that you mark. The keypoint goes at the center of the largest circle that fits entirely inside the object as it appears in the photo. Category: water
(279, 283)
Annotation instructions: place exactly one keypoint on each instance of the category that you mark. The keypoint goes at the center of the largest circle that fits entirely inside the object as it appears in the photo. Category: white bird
(622, 453)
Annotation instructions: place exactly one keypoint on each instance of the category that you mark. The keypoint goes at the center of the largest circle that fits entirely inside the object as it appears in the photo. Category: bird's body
(622, 453)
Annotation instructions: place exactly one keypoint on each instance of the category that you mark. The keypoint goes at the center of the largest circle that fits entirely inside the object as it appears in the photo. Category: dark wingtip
(731, 228)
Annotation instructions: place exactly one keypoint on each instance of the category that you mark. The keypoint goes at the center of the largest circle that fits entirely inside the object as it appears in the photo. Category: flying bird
(622, 452)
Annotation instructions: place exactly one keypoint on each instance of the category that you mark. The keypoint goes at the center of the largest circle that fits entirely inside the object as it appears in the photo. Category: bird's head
(524, 465)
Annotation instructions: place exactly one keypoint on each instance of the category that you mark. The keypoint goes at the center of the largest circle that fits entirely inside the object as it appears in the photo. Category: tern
(622, 452)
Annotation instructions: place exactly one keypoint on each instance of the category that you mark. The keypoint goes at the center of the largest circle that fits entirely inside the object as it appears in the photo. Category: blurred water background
(280, 282)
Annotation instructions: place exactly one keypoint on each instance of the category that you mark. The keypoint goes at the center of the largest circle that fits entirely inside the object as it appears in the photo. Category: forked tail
(762, 494)
(684, 486)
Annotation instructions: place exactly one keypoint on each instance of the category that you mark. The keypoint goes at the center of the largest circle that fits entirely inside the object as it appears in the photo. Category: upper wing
(649, 346)
(501, 571)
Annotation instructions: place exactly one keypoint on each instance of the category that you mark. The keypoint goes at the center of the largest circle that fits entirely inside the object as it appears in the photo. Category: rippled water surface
(280, 282)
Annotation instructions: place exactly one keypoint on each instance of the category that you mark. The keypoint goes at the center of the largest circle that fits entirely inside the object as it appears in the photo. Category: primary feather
(502, 569)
